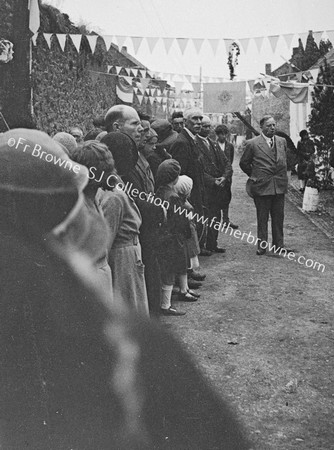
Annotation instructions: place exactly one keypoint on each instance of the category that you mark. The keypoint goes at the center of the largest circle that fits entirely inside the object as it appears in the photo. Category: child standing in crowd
(172, 251)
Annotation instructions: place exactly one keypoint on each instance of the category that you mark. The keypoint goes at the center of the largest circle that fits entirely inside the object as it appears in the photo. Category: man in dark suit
(222, 133)
(186, 151)
(217, 170)
(264, 161)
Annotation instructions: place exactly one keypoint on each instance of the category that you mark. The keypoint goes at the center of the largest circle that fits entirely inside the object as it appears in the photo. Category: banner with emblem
(226, 97)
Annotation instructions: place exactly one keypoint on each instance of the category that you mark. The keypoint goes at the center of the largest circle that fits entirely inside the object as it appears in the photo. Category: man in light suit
(264, 161)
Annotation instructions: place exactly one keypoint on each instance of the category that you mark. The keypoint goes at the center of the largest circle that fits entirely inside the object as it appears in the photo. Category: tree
(321, 119)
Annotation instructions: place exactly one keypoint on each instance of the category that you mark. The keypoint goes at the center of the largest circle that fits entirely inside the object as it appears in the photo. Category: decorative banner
(47, 37)
(182, 42)
(314, 73)
(108, 40)
(152, 42)
(76, 39)
(92, 42)
(140, 98)
(198, 44)
(317, 37)
(118, 69)
(34, 16)
(123, 92)
(214, 45)
(258, 42)
(136, 41)
(288, 39)
(303, 37)
(120, 41)
(167, 43)
(224, 97)
(244, 44)
(273, 42)
(296, 92)
(62, 40)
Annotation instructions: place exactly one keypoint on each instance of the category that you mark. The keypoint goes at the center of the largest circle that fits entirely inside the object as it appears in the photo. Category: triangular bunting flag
(198, 44)
(144, 83)
(76, 39)
(47, 37)
(109, 68)
(244, 44)
(168, 43)
(330, 35)
(314, 73)
(151, 42)
(128, 80)
(118, 69)
(140, 98)
(108, 39)
(62, 40)
(214, 45)
(317, 37)
(34, 38)
(92, 42)
(258, 42)
(136, 41)
(127, 70)
(303, 37)
(139, 74)
(120, 41)
(34, 16)
(273, 42)
(288, 39)
(227, 43)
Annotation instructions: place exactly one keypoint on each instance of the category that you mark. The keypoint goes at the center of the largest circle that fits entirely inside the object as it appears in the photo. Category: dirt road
(263, 331)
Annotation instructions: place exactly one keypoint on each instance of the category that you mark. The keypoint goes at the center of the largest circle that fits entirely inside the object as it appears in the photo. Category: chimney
(268, 69)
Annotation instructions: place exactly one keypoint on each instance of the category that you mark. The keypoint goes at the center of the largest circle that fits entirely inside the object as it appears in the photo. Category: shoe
(172, 312)
(287, 250)
(197, 276)
(232, 225)
(187, 297)
(260, 252)
(218, 250)
(205, 252)
(194, 294)
(192, 284)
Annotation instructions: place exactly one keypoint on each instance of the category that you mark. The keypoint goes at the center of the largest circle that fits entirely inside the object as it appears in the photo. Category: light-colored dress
(125, 260)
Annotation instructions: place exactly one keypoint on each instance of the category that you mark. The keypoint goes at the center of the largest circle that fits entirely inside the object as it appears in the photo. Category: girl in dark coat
(305, 149)
(175, 231)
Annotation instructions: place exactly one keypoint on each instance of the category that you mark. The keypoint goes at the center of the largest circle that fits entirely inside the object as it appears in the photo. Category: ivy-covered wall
(15, 92)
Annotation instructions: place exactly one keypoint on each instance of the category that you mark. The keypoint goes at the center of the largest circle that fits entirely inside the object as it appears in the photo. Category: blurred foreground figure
(75, 373)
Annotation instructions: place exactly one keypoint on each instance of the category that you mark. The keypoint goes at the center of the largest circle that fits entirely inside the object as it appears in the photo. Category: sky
(208, 19)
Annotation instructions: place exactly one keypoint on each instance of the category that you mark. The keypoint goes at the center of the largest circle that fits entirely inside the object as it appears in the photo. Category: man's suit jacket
(214, 167)
(268, 175)
(186, 151)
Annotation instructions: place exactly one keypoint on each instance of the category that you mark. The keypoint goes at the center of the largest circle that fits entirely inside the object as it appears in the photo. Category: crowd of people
(93, 243)
(157, 184)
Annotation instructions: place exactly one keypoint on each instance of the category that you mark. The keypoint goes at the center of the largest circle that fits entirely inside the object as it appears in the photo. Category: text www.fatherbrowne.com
(250, 239)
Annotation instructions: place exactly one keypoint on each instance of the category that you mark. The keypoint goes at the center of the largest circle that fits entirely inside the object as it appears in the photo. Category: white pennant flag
(273, 42)
(258, 42)
(227, 43)
(136, 41)
(140, 98)
(109, 68)
(108, 40)
(118, 69)
(317, 37)
(120, 41)
(152, 42)
(34, 16)
(244, 44)
(314, 73)
(168, 43)
(127, 70)
(47, 37)
(198, 44)
(62, 40)
(288, 39)
(128, 79)
(303, 37)
(330, 35)
(76, 39)
(139, 74)
(92, 42)
(214, 45)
